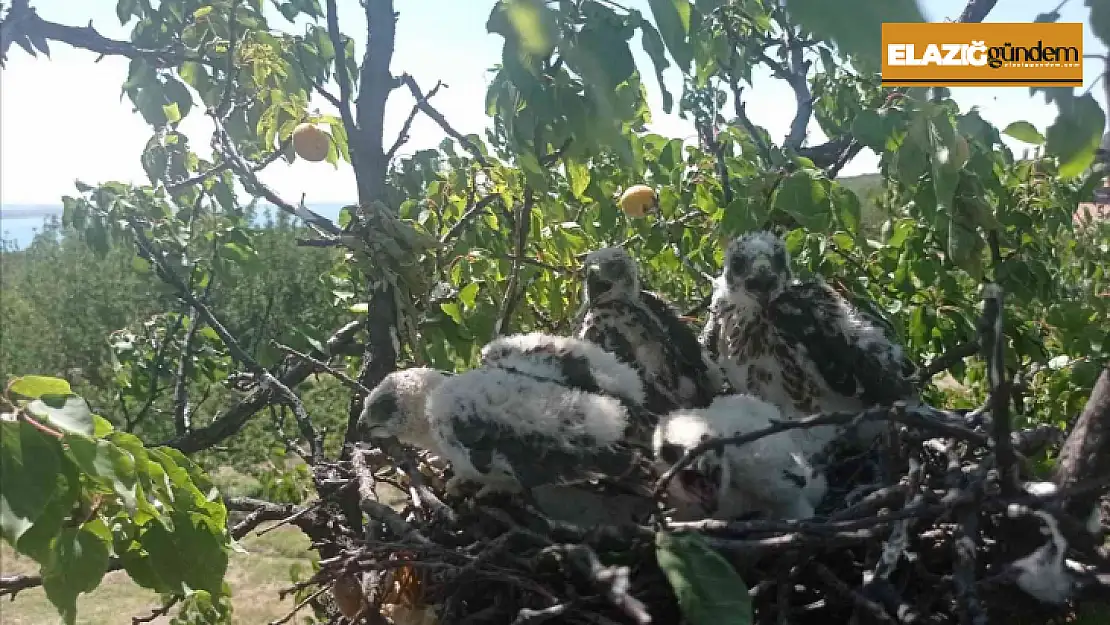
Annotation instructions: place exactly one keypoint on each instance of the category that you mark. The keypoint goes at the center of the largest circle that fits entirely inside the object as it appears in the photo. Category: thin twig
(323, 367)
(403, 136)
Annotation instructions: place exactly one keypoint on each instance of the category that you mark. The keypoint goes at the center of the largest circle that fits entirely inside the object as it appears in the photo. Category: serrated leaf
(672, 17)
(35, 386)
(1024, 131)
(1076, 134)
(29, 462)
(80, 559)
(71, 413)
(708, 589)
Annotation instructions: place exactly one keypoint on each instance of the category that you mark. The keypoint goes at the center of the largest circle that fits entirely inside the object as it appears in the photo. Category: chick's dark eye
(739, 264)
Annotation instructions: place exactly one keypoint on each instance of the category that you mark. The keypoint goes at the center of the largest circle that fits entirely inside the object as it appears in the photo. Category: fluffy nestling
(511, 431)
(800, 346)
(769, 477)
(396, 407)
(574, 363)
(644, 331)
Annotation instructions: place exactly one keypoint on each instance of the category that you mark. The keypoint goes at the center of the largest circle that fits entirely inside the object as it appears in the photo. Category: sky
(62, 119)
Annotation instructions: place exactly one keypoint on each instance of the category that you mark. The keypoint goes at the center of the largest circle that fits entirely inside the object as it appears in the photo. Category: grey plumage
(645, 331)
(800, 346)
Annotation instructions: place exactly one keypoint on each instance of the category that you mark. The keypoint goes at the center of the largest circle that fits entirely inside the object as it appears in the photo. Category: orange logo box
(954, 54)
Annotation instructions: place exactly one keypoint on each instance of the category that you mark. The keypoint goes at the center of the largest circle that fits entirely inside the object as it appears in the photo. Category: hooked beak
(761, 280)
(595, 283)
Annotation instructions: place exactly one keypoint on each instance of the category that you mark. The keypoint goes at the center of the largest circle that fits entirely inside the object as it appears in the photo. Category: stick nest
(918, 529)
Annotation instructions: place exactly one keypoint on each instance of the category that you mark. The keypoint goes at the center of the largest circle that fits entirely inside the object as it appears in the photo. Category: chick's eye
(739, 264)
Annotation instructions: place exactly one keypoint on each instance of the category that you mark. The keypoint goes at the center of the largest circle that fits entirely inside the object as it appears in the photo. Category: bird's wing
(537, 458)
(854, 360)
(623, 329)
(681, 341)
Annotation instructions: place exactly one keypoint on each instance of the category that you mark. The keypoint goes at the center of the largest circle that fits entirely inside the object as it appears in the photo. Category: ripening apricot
(310, 142)
(637, 200)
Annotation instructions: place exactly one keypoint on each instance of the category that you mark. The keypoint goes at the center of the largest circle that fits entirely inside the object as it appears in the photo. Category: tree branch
(344, 80)
(438, 118)
(993, 341)
(375, 85)
(403, 136)
(976, 10)
(523, 219)
(1086, 452)
(264, 377)
(22, 21)
(234, 418)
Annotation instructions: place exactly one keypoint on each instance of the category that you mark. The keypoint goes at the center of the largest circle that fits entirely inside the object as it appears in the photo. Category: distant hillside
(864, 185)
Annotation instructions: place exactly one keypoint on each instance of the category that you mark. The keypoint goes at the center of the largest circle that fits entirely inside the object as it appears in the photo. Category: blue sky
(62, 118)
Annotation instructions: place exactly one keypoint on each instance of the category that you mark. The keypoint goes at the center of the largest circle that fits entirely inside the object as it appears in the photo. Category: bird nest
(919, 529)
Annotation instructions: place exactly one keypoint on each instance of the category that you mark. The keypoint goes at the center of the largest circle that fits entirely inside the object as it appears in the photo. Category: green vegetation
(173, 318)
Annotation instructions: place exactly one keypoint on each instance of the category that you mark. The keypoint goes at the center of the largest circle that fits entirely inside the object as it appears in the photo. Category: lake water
(19, 223)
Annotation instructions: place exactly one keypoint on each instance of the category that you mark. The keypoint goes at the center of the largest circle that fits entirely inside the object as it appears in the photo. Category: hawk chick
(511, 431)
(645, 331)
(769, 476)
(800, 346)
(396, 407)
(573, 363)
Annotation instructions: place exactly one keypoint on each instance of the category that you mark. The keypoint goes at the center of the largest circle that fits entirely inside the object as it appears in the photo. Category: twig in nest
(839, 587)
(300, 606)
(286, 521)
(378, 511)
(945, 361)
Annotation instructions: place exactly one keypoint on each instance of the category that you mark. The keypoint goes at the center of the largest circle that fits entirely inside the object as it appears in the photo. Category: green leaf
(172, 112)
(528, 23)
(868, 128)
(468, 294)
(35, 386)
(803, 197)
(854, 25)
(673, 19)
(452, 310)
(1100, 19)
(29, 462)
(70, 413)
(78, 563)
(1024, 131)
(1076, 134)
(578, 176)
(361, 308)
(653, 45)
(708, 589)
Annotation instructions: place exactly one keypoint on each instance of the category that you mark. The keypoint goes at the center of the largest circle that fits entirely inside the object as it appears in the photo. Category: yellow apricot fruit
(310, 142)
(637, 200)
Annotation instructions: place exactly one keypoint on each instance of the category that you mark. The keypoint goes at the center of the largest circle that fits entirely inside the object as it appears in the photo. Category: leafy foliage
(78, 495)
